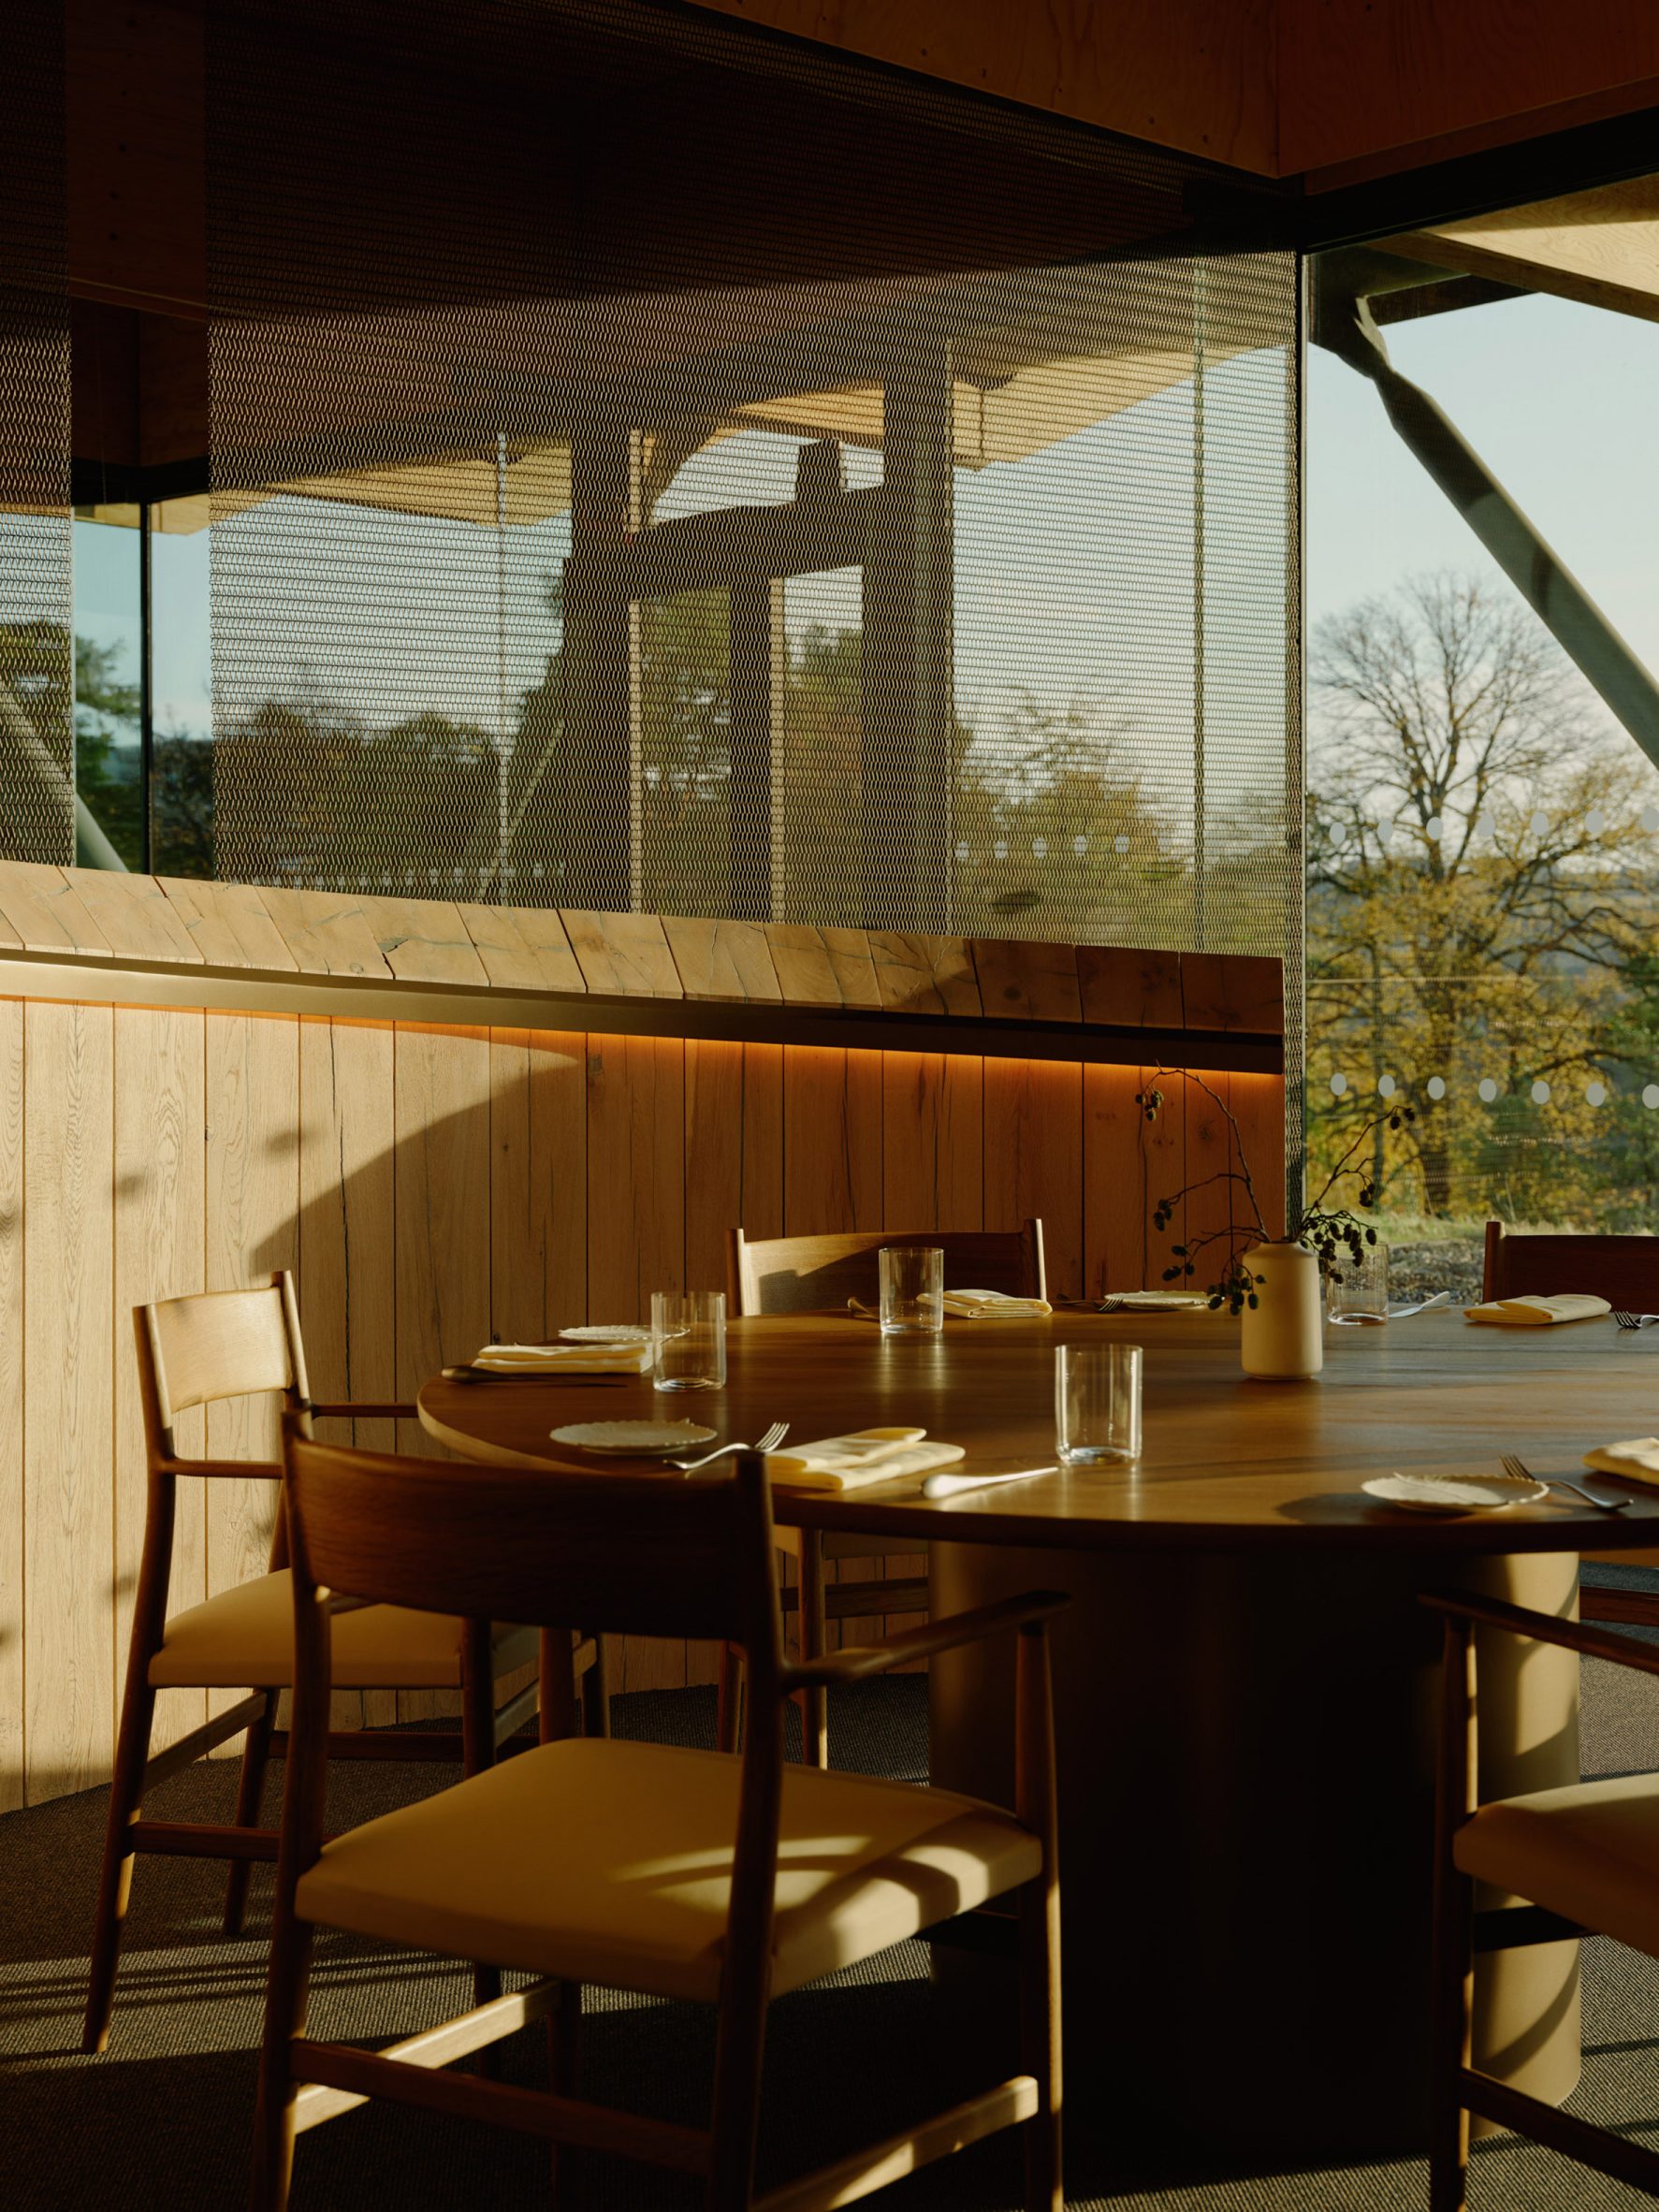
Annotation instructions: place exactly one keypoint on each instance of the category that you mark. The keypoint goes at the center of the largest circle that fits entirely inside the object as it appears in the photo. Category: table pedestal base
(1247, 1761)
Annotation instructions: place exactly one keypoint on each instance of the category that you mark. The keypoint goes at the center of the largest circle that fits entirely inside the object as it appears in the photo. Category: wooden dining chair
(1624, 1270)
(681, 1874)
(805, 1275)
(1586, 1859)
(196, 1351)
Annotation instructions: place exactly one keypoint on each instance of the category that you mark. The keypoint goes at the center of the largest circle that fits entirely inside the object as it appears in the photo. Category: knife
(536, 1375)
(952, 1486)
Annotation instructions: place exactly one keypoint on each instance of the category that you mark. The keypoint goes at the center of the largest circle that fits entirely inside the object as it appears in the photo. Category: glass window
(108, 677)
(1484, 803)
(182, 690)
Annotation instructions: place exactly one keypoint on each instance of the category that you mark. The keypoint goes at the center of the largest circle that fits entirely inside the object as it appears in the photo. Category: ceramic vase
(1281, 1337)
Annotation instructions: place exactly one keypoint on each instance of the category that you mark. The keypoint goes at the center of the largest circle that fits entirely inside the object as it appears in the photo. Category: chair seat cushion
(243, 1640)
(602, 1861)
(1589, 1851)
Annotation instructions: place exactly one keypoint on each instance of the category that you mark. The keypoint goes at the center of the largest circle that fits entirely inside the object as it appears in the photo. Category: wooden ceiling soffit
(140, 940)
(1600, 248)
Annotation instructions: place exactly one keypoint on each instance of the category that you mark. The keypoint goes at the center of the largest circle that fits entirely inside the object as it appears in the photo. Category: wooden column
(757, 677)
(600, 663)
(908, 657)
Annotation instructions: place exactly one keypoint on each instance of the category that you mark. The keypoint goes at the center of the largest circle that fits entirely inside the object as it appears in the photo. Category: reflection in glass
(108, 679)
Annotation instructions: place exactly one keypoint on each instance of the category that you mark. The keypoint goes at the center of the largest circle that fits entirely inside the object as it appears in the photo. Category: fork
(1524, 1474)
(1635, 1320)
(769, 1441)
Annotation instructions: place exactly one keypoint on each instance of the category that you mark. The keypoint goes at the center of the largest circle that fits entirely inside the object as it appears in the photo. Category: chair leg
(1452, 1928)
(284, 2018)
(596, 1693)
(813, 1702)
(256, 1756)
(736, 2105)
(115, 1877)
(1039, 2041)
(1450, 2039)
(565, 2033)
(478, 1752)
(726, 1699)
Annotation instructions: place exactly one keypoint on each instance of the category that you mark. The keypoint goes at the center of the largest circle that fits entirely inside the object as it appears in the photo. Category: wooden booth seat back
(807, 1275)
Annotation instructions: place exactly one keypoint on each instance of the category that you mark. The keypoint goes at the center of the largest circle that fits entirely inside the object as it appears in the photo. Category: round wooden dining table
(1245, 1683)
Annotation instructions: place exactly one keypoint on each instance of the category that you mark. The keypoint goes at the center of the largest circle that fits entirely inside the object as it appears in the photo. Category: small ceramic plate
(638, 1439)
(605, 1332)
(1456, 1493)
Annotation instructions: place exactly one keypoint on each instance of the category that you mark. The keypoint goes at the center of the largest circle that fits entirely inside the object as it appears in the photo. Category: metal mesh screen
(36, 664)
(658, 467)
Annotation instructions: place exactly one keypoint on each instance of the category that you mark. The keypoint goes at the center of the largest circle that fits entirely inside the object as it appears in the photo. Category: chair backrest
(1622, 1270)
(218, 1344)
(633, 1554)
(798, 1274)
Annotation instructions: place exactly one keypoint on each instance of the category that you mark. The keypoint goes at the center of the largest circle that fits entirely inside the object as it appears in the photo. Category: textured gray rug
(163, 2119)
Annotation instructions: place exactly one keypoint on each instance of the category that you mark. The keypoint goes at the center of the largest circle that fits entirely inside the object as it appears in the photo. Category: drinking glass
(688, 1339)
(912, 1289)
(1097, 1403)
(1362, 1294)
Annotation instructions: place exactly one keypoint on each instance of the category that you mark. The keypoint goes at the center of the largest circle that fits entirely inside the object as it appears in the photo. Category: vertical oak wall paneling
(12, 1742)
(441, 1214)
(160, 1248)
(538, 1191)
(637, 1212)
(349, 1315)
(1034, 1160)
(434, 1188)
(834, 1177)
(538, 1183)
(252, 1228)
(68, 1447)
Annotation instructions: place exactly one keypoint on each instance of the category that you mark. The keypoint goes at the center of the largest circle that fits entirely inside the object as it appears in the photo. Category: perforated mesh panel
(658, 467)
(37, 673)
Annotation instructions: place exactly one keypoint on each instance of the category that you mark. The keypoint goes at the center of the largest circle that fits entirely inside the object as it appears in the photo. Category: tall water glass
(688, 1339)
(912, 1289)
(1097, 1403)
(1362, 1294)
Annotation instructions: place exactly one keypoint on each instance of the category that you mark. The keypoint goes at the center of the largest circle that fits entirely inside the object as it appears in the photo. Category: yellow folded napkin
(972, 1305)
(867, 1456)
(1537, 1312)
(1637, 1461)
(995, 1305)
(565, 1359)
(1158, 1302)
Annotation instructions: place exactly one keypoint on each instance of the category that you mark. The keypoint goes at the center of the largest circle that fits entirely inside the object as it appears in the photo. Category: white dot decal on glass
(1488, 1090)
(1485, 826)
(1040, 847)
(1120, 844)
(1595, 822)
(1650, 1095)
(962, 851)
(1651, 818)
(1385, 829)
(1339, 1084)
(1540, 1092)
(1437, 1086)
(1386, 1086)
(1001, 849)
(1080, 845)
(1435, 826)
(1596, 1093)
(1538, 824)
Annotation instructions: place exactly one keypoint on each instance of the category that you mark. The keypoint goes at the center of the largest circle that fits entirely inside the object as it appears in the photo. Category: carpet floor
(163, 2119)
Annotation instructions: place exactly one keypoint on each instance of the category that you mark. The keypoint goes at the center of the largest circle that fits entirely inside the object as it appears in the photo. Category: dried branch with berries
(1334, 1234)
